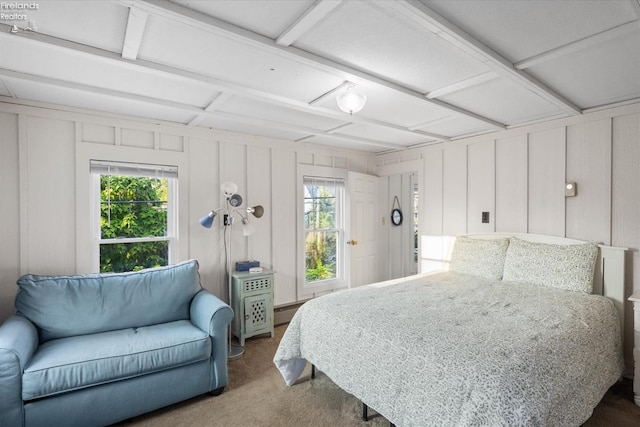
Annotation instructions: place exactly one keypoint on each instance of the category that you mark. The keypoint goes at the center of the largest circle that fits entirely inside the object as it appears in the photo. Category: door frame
(410, 166)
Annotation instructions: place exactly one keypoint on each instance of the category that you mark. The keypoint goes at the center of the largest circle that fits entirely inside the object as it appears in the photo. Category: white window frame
(97, 167)
(305, 289)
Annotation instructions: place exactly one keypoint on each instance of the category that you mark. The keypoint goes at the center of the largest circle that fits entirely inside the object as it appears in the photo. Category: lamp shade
(228, 188)
(247, 227)
(235, 200)
(351, 101)
(207, 220)
(256, 211)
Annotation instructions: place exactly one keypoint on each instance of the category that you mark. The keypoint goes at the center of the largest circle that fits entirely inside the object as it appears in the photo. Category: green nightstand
(252, 303)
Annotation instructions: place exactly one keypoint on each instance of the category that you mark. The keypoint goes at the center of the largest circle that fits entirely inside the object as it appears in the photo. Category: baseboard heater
(284, 313)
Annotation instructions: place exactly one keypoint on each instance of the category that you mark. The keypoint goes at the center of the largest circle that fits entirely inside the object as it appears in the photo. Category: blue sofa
(97, 349)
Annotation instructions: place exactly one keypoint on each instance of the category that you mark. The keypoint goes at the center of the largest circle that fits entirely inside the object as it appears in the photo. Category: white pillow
(479, 257)
(568, 267)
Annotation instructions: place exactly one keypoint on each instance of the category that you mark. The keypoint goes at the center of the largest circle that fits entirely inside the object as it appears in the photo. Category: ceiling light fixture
(351, 100)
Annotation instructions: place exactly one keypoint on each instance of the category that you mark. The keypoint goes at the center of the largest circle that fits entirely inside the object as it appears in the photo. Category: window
(134, 215)
(323, 229)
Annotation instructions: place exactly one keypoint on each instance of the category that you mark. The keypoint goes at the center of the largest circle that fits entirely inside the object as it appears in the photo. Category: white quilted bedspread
(455, 350)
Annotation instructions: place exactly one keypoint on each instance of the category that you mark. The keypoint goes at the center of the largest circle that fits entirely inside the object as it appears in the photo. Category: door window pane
(321, 255)
(323, 226)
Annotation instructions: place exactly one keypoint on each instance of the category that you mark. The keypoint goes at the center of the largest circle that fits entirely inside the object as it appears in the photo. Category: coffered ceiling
(433, 71)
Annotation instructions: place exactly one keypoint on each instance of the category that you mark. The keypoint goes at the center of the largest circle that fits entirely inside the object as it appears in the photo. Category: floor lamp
(233, 203)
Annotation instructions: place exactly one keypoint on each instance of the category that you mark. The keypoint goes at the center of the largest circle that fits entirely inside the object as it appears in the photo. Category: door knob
(352, 242)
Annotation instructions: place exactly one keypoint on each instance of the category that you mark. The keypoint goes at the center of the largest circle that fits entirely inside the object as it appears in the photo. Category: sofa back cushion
(63, 306)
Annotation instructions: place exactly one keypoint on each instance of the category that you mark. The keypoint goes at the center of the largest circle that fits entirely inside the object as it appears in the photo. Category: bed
(521, 330)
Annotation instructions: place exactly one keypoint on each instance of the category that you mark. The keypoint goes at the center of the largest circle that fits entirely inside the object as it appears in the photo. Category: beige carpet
(257, 396)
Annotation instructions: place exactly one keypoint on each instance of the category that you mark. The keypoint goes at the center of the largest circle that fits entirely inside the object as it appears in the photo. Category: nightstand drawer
(259, 284)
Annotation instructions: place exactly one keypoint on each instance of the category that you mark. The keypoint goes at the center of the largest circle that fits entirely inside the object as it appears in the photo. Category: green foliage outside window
(321, 236)
(133, 207)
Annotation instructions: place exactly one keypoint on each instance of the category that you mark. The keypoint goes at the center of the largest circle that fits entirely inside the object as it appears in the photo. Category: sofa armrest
(18, 342)
(210, 314)
(213, 316)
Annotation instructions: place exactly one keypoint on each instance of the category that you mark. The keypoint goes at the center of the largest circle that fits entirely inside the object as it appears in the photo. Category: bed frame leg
(365, 410)
(313, 371)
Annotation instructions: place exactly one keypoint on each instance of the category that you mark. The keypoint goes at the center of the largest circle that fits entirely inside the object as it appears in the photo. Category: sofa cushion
(64, 306)
(74, 363)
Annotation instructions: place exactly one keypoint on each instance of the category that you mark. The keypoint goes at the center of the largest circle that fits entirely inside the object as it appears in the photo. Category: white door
(362, 235)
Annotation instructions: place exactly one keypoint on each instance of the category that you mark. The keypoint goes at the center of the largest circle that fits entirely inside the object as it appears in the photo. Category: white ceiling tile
(81, 99)
(232, 61)
(456, 126)
(379, 133)
(93, 23)
(226, 123)
(394, 47)
(268, 18)
(603, 74)
(519, 29)
(503, 101)
(252, 108)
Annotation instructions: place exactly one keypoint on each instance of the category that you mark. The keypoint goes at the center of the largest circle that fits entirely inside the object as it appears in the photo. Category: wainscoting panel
(454, 200)
(431, 206)
(283, 219)
(589, 166)
(481, 187)
(259, 188)
(511, 185)
(47, 207)
(546, 182)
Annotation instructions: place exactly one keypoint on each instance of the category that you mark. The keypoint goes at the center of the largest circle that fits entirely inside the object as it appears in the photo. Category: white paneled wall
(45, 209)
(9, 212)
(546, 171)
(431, 223)
(454, 190)
(522, 172)
(47, 226)
(481, 192)
(588, 215)
(511, 184)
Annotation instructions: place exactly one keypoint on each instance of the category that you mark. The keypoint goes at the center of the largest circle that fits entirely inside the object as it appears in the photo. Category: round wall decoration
(396, 217)
(396, 213)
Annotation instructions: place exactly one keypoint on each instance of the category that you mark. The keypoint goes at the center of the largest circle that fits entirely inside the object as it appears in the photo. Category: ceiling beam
(7, 86)
(217, 102)
(578, 45)
(458, 86)
(432, 21)
(327, 94)
(175, 12)
(98, 90)
(316, 13)
(310, 132)
(133, 36)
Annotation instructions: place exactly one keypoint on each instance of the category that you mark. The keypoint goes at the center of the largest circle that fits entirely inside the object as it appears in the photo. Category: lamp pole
(234, 351)
(233, 201)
